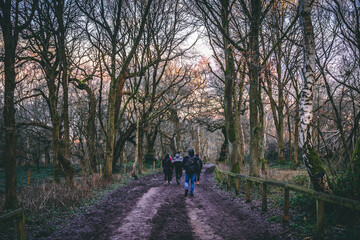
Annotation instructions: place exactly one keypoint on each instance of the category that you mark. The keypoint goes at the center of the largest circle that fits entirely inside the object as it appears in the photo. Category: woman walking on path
(191, 166)
(167, 168)
(178, 166)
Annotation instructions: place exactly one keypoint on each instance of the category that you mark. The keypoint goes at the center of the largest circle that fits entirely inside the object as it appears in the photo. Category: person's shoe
(165, 183)
(191, 194)
(170, 182)
(197, 183)
(186, 192)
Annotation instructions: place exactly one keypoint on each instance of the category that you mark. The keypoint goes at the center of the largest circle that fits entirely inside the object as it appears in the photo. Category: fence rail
(20, 222)
(319, 196)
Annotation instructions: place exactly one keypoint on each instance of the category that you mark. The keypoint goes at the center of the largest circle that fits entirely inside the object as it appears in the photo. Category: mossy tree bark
(230, 76)
(254, 71)
(311, 158)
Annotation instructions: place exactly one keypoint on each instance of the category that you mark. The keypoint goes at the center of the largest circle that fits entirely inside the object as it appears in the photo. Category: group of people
(191, 163)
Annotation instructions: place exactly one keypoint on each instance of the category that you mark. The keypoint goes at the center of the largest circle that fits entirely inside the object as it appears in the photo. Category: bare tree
(14, 18)
(115, 30)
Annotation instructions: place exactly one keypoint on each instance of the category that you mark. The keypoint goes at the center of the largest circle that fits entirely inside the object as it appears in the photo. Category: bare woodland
(89, 86)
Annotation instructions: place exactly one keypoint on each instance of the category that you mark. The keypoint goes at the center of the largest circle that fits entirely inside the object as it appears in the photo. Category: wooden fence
(320, 197)
(20, 222)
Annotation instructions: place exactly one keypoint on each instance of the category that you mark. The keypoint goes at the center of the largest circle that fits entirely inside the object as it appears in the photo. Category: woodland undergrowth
(47, 204)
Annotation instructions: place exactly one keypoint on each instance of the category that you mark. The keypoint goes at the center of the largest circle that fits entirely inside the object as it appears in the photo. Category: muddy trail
(148, 209)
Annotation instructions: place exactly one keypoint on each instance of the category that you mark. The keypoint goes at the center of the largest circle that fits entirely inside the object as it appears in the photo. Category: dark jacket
(167, 163)
(191, 163)
(200, 162)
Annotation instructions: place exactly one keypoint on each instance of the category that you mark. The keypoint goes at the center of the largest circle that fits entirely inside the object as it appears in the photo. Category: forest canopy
(90, 86)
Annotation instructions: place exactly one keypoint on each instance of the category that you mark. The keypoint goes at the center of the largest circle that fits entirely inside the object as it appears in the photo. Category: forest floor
(148, 209)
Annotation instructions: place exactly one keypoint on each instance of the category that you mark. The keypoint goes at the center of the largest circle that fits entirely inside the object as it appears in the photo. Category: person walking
(178, 166)
(167, 168)
(200, 163)
(191, 166)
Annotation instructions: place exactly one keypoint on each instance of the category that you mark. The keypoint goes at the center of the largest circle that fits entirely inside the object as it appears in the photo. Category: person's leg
(192, 184)
(186, 184)
(170, 176)
(177, 175)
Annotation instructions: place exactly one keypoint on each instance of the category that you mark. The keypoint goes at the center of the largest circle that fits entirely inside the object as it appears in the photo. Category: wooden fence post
(237, 187)
(286, 205)
(248, 190)
(320, 218)
(20, 226)
(228, 181)
(264, 196)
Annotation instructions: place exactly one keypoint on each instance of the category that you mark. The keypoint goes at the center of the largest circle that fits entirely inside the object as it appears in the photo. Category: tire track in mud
(171, 221)
(199, 222)
(140, 216)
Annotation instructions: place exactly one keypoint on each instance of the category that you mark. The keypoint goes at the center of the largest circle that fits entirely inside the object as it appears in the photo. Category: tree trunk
(10, 43)
(64, 158)
(141, 149)
(262, 123)
(91, 125)
(254, 71)
(230, 76)
(47, 157)
(296, 133)
(311, 159)
(238, 109)
(110, 131)
(91, 131)
(137, 139)
(224, 146)
(151, 141)
(290, 134)
(56, 149)
(280, 132)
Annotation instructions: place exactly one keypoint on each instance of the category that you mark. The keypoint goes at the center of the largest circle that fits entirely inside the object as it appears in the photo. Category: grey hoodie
(177, 158)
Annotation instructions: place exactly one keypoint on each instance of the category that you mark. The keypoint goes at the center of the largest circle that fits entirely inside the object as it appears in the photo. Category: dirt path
(147, 209)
